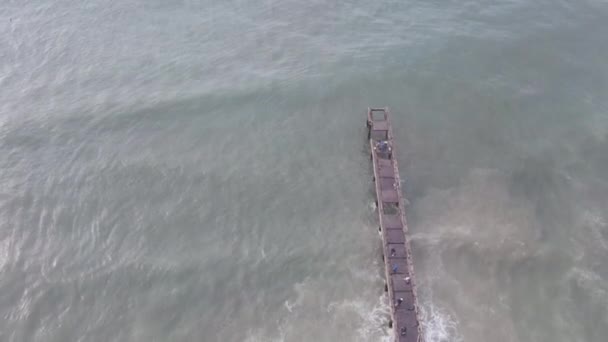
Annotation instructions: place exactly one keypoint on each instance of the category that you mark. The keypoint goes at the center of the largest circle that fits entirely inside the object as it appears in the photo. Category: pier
(390, 204)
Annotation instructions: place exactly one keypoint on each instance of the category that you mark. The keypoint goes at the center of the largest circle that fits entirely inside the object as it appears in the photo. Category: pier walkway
(390, 204)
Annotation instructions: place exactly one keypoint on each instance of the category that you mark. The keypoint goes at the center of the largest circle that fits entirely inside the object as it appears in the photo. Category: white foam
(4, 252)
(590, 281)
(301, 292)
(374, 326)
(288, 306)
(260, 337)
(438, 325)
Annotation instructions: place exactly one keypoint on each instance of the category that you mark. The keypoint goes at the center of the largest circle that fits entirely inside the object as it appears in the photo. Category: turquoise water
(198, 171)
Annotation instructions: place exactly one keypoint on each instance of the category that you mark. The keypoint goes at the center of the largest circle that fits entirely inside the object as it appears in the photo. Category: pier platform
(390, 204)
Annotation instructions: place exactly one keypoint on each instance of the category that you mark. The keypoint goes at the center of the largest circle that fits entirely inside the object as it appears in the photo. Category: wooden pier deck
(390, 204)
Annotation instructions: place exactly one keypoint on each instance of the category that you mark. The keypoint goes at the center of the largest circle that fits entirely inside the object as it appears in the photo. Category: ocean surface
(198, 170)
